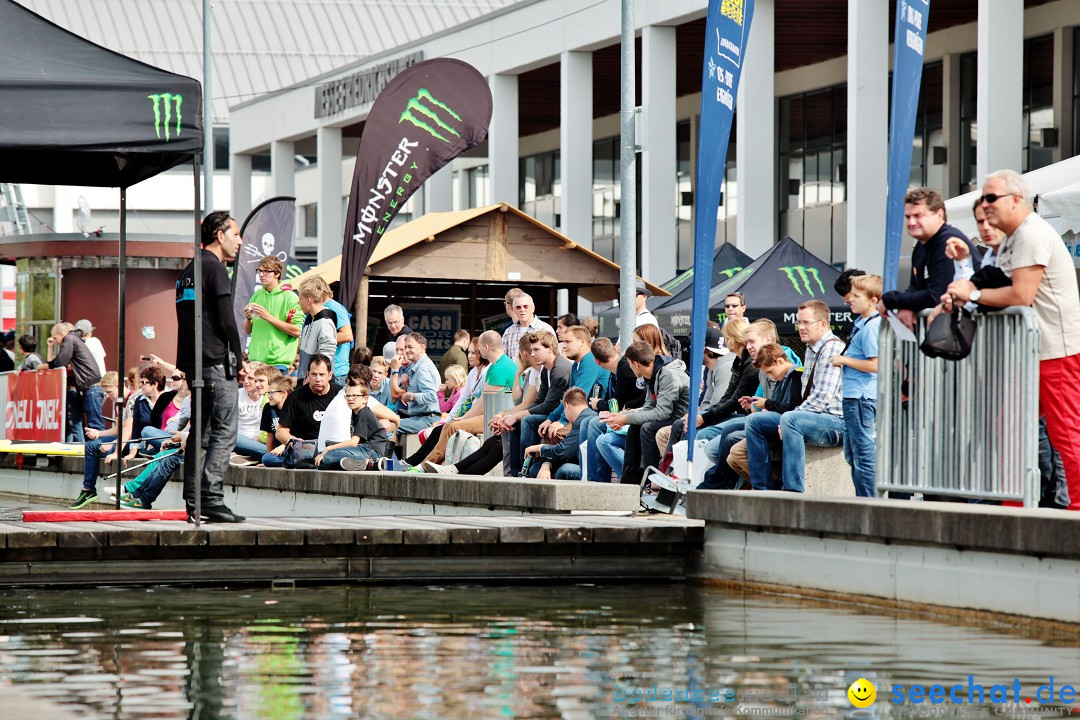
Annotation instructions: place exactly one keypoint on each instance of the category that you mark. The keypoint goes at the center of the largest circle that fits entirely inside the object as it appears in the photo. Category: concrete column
(867, 133)
(1063, 92)
(658, 159)
(240, 171)
(756, 147)
(576, 145)
(283, 167)
(503, 139)
(1000, 108)
(439, 191)
(950, 123)
(330, 228)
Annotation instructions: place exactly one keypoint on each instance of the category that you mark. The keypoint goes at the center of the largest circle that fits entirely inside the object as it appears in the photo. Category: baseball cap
(714, 341)
(84, 326)
(642, 290)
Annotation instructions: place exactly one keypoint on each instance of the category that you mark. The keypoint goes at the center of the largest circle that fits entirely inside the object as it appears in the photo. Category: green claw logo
(730, 272)
(423, 116)
(168, 102)
(795, 273)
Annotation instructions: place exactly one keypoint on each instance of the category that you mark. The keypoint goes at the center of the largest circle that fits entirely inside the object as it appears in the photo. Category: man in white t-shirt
(1034, 256)
(86, 329)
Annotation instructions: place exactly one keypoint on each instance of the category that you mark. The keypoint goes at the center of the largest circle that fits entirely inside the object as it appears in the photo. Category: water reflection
(480, 652)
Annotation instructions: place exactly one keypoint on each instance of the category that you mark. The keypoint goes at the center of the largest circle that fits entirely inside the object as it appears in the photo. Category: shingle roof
(259, 45)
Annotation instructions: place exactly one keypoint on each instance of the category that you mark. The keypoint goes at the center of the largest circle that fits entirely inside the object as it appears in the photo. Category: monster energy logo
(730, 272)
(797, 273)
(166, 101)
(427, 118)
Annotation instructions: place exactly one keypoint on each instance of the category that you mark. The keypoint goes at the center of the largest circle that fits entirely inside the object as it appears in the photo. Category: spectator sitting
(380, 384)
(734, 306)
(455, 383)
(367, 440)
(344, 339)
(95, 447)
(565, 457)
(554, 379)
(592, 324)
(250, 400)
(525, 323)
(561, 323)
(161, 393)
(819, 418)
(584, 373)
(302, 413)
(318, 336)
(456, 355)
(337, 420)
(361, 355)
(395, 322)
(273, 317)
(787, 395)
(399, 374)
(667, 398)
(420, 400)
(28, 344)
(7, 356)
(277, 392)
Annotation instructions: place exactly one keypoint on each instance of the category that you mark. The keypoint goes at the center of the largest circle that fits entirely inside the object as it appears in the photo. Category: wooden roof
(496, 243)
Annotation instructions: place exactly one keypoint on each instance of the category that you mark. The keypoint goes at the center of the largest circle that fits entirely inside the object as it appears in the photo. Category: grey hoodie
(717, 382)
(668, 393)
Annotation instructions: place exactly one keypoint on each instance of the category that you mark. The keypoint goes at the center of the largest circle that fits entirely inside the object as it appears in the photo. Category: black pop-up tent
(774, 286)
(75, 113)
(727, 261)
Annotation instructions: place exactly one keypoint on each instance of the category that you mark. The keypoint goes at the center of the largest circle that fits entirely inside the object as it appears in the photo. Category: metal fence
(967, 428)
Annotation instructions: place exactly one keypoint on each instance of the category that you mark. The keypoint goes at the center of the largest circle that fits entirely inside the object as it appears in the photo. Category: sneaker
(133, 502)
(85, 498)
(241, 460)
(415, 469)
(355, 464)
(438, 469)
(401, 465)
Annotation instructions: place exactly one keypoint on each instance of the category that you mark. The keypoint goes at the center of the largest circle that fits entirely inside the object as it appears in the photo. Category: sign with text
(35, 406)
(437, 323)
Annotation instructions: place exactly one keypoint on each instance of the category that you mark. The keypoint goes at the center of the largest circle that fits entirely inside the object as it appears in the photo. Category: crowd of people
(570, 404)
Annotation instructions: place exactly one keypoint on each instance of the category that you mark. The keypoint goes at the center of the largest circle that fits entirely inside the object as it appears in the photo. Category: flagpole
(208, 117)
(627, 183)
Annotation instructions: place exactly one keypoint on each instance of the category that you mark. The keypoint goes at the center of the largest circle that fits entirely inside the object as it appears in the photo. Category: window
(969, 131)
(311, 220)
(221, 148)
(926, 169)
(1038, 100)
(479, 186)
(540, 187)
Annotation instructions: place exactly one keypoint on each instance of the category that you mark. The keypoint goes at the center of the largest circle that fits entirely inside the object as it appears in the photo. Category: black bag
(950, 336)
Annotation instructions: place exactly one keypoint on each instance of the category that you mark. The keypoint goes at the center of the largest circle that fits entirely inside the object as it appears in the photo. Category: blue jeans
(720, 476)
(148, 492)
(92, 399)
(271, 460)
(93, 451)
(153, 437)
(332, 458)
(249, 447)
(74, 417)
(859, 443)
(715, 435)
(611, 447)
(799, 428)
(219, 417)
(566, 471)
(414, 424)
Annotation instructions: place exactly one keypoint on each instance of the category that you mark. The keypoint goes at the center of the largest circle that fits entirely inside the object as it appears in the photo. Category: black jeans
(483, 460)
(219, 418)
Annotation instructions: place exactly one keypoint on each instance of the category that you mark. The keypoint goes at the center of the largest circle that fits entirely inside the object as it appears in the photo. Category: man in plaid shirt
(819, 420)
(525, 322)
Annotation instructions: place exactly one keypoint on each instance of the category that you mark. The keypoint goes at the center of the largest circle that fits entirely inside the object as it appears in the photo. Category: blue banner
(726, 31)
(912, 17)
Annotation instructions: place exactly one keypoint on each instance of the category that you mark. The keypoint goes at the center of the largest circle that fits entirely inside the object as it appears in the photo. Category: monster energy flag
(911, 19)
(267, 230)
(774, 286)
(727, 26)
(424, 118)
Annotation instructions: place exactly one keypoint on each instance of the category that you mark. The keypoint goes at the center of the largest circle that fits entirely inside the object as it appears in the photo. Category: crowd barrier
(967, 428)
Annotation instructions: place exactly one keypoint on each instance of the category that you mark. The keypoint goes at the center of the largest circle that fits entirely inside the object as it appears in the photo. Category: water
(490, 652)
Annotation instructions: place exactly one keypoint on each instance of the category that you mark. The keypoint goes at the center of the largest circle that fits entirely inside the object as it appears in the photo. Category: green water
(488, 652)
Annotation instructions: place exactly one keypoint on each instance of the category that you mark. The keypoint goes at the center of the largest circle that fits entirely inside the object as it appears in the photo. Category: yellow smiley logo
(862, 693)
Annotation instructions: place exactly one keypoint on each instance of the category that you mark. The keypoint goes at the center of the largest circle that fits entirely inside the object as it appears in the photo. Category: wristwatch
(975, 295)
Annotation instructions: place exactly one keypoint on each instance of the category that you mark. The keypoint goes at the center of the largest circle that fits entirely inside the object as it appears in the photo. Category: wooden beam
(495, 262)
(362, 311)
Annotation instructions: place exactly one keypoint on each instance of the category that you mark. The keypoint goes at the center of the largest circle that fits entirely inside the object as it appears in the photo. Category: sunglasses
(731, 307)
(174, 378)
(991, 198)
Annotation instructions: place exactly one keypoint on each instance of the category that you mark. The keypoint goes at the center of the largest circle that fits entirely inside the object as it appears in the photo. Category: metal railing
(967, 428)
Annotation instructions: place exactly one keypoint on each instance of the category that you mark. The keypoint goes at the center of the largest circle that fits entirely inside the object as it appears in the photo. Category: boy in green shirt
(273, 318)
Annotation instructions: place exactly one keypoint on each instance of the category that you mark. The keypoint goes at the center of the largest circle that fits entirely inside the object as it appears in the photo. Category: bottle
(613, 405)
(525, 466)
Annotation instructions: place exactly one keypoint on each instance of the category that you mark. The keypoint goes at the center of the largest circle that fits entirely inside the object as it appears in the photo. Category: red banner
(35, 407)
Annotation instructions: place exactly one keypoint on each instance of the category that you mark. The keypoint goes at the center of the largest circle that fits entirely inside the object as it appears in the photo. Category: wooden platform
(350, 549)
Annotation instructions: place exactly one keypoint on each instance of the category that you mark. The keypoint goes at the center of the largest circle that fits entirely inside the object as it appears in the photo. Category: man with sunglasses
(1043, 276)
(273, 318)
(734, 306)
(931, 269)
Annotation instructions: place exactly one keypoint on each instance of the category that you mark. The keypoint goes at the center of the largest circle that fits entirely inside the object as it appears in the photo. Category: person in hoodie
(818, 420)
(667, 398)
(564, 458)
(319, 334)
(772, 360)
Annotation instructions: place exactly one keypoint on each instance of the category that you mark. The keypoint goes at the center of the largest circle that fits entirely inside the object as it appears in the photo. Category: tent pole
(361, 308)
(194, 445)
(121, 337)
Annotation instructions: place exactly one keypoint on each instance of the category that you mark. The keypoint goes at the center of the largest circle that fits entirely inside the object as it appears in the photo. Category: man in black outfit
(302, 415)
(223, 360)
(931, 270)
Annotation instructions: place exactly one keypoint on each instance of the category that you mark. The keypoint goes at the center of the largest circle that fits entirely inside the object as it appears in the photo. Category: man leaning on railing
(1043, 276)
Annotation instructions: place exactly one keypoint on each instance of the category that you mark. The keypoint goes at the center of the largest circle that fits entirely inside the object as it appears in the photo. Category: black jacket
(743, 383)
(931, 273)
(788, 393)
(73, 352)
(567, 451)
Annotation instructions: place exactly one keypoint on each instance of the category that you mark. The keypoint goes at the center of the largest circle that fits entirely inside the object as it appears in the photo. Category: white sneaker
(355, 464)
(439, 469)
